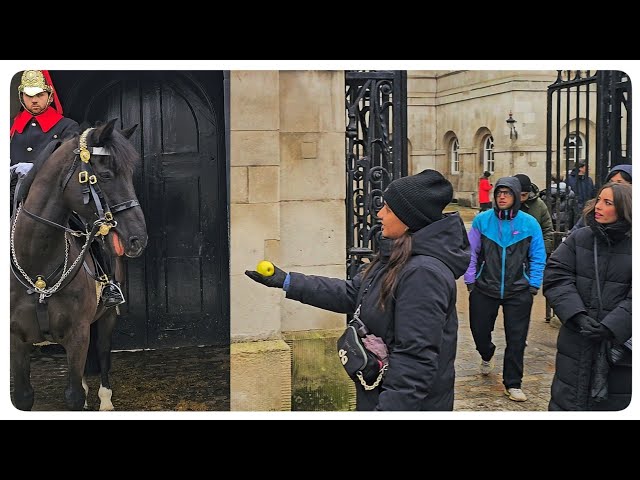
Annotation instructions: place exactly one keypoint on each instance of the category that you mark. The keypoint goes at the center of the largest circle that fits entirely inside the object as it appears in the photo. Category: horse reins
(100, 227)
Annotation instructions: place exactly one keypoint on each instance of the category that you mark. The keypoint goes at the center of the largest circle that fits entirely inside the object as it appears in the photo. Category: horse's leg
(85, 387)
(21, 368)
(104, 330)
(76, 346)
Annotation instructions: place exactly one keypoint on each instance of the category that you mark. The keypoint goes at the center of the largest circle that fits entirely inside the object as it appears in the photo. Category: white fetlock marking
(85, 387)
(105, 399)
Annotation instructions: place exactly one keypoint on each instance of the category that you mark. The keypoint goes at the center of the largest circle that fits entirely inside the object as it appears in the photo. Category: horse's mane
(122, 153)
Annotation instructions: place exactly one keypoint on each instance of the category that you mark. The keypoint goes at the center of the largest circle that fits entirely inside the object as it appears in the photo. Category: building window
(573, 149)
(455, 156)
(488, 162)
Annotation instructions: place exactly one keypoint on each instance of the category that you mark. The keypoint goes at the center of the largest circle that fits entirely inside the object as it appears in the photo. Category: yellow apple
(265, 268)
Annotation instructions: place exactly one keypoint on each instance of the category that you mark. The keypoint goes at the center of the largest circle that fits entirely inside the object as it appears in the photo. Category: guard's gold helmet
(33, 82)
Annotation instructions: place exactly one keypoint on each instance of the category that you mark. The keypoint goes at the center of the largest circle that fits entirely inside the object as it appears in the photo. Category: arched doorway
(178, 291)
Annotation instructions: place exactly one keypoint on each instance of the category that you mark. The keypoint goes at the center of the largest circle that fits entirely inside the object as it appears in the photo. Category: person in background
(507, 262)
(407, 294)
(531, 203)
(582, 185)
(484, 187)
(562, 206)
(588, 283)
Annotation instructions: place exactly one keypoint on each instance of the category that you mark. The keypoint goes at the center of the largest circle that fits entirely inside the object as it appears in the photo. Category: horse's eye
(105, 175)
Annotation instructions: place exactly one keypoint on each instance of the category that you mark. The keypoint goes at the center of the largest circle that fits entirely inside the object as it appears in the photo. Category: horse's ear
(129, 131)
(105, 131)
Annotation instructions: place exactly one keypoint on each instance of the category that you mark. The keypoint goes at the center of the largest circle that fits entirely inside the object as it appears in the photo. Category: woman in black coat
(407, 294)
(588, 283)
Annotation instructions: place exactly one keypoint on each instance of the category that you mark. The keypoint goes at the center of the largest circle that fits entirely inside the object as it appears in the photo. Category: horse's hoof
(23, 401)
(104, 394)
(74, 400)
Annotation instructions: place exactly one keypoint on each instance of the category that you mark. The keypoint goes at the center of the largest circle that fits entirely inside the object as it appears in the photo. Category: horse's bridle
(100, 227)
(89, 182)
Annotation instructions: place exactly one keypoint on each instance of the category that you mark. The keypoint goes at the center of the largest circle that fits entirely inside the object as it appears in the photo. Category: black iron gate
(588, 120)
(376, 153)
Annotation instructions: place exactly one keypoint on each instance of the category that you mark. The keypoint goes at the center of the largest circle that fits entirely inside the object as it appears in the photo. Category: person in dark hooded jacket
(588, 283)
(507, 263)
(407, 294)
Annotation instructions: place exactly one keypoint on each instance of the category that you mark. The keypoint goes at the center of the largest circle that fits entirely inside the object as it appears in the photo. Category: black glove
(470, 287)
(533, 291)
(597, 332)
(275, 280)
(591, 328)
(583, 321)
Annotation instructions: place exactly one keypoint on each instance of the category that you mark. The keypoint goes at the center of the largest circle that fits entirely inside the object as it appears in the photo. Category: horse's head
(100, 187)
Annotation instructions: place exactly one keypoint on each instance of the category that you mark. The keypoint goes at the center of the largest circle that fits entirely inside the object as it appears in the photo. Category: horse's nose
(136, 246)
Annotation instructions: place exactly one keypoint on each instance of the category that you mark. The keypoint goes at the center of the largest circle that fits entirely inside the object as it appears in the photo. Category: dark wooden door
(178, 292)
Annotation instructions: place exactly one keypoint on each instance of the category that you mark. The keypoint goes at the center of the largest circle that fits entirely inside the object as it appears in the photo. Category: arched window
(573, 149)
(455, 156)
(488, 161)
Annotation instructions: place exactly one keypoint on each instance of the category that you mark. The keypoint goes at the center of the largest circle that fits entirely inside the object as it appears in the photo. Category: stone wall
(287, 206)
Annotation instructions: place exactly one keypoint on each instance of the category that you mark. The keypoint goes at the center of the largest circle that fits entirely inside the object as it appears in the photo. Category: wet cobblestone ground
(180, 379)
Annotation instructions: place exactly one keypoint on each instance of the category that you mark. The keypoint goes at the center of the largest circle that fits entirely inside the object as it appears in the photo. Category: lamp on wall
(513, 133)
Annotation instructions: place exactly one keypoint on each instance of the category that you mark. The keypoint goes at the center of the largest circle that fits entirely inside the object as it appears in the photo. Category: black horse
(55, 290)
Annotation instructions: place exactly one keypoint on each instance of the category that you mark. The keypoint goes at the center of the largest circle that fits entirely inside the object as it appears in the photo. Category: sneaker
(515, 394)
(486, 366)
(112, 295)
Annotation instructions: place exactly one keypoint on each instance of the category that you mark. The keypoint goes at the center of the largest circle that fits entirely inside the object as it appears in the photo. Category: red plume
(56, 100)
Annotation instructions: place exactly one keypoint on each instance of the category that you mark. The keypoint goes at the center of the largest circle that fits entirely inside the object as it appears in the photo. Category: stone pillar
(287, 206)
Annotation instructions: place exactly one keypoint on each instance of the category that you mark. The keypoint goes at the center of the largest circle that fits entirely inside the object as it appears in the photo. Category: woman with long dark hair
(588, 283)
(406, 297)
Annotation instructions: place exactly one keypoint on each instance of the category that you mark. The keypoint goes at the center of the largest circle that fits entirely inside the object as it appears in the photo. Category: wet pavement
(476, 392)
(178, 379)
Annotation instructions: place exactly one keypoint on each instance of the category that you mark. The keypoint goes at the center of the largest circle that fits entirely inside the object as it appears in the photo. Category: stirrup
(112, 295)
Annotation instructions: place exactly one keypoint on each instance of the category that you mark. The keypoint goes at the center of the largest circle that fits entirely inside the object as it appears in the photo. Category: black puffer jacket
(569, 284)
(419, 323)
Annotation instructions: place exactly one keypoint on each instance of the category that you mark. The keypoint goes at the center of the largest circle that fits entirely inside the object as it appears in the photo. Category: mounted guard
(40, 122)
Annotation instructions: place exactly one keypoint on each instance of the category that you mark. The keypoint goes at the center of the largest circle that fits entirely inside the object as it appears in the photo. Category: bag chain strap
(375, 384)
(378, 380)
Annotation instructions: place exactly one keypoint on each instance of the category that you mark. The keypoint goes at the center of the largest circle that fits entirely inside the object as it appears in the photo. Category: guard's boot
(112, 294)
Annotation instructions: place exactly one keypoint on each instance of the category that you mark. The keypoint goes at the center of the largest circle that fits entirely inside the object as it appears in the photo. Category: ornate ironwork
(569, 102)
(376, 154)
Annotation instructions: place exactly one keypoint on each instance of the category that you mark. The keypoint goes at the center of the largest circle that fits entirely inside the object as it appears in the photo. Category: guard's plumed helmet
(33, 82)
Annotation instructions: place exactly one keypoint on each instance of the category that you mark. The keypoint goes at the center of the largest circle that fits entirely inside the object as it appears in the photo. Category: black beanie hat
(418, 200)
(525, 182)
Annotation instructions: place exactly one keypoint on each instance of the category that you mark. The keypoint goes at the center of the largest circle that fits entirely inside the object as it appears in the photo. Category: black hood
(513, 184)
(446, 240)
